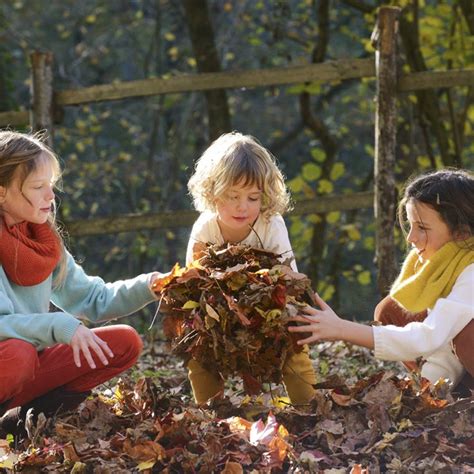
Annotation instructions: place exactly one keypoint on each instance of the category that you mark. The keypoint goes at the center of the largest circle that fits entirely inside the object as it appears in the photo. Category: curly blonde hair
(238, 159)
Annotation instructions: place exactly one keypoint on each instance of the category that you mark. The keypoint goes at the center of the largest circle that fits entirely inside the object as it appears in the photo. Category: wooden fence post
(42, 93)
(385, 39)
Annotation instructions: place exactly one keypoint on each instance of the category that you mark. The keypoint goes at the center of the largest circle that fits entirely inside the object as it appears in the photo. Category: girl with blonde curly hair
(241, 194)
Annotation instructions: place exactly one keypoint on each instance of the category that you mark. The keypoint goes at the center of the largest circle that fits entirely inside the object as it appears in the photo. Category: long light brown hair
(20, 155)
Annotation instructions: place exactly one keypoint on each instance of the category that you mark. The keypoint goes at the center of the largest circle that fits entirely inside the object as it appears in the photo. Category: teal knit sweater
(25, 310)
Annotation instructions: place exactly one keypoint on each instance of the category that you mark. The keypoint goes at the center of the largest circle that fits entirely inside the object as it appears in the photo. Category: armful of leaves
(229, 311)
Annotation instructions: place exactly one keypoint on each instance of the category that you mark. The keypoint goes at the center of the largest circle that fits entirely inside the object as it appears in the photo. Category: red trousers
(26, 374)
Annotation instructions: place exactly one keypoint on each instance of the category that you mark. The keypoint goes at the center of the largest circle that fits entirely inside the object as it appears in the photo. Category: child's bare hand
(323, 324)
(84, 340)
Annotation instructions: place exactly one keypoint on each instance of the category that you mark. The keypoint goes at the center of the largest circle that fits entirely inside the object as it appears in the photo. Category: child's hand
(323, 324)
(83, 341)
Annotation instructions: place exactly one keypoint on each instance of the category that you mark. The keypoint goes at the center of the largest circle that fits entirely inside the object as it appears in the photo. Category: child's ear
(3, 193)
(462, 234)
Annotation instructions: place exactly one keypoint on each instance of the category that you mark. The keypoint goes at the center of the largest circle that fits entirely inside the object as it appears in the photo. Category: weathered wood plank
(324, 72)
(435, 79)
(185, 218)
(15, 118)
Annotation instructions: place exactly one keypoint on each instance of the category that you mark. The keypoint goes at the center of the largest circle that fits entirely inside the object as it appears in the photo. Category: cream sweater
(432, 338)
(272, 233)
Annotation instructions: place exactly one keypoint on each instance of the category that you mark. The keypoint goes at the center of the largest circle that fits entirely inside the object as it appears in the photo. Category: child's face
(31, 201)
(238, 209)
(428, 232)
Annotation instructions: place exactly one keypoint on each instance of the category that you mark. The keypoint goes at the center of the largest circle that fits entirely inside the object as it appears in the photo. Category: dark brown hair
(449, 192)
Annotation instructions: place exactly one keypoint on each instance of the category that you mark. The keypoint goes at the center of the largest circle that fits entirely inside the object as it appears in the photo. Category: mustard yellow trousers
(298, 378)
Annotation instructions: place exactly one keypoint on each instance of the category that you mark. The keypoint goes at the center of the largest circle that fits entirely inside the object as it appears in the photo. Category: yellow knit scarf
(419, 285)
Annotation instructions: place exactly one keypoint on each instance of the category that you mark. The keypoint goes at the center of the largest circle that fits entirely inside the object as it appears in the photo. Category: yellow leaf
(173, 52)
(326, 292)
(318, 155)
(353, 233)
(311, 171)
(333, 217)
(296, 184)
(325, 187)
(91, 19)
(337, 171)
(424, 161)
(169, 36)
(364, 277)
(281, 402)
(190, 304)
(146, 465)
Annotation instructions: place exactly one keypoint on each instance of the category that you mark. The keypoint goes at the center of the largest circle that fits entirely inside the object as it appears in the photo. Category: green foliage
(136, 155)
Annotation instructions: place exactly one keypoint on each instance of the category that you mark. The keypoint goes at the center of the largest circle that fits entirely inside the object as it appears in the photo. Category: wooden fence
(47, 103)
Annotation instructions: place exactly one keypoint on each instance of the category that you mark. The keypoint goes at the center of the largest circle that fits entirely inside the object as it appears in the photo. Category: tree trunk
(427, 99)
(322, 133)
(5, 68)
(385, 143)
(203, 42)
(42, 93)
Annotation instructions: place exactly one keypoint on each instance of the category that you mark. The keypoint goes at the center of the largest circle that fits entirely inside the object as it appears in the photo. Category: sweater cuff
(64, 330)
(151, 278)
(379, 347)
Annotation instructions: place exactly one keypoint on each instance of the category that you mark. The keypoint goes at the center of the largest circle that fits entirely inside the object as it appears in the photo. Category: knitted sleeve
(91, 298)
(40, 328)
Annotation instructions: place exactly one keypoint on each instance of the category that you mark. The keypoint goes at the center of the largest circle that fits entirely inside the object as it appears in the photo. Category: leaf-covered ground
(363, 419)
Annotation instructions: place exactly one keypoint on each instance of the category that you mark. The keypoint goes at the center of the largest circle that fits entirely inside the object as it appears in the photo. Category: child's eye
(254, 199)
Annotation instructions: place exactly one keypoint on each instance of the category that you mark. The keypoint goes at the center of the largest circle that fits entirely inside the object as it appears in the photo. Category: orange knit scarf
(28, 252)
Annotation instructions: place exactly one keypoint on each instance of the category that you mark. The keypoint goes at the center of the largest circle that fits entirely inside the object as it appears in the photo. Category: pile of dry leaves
(229, 311)
(380, 423)
(364, 417)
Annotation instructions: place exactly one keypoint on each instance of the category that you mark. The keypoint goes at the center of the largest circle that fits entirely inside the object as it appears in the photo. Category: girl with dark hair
(430, 309)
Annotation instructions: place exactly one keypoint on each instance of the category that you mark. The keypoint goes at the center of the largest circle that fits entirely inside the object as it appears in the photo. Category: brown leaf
(232, 468)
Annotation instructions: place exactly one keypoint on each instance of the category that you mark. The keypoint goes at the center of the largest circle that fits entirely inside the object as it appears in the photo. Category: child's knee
(300, 365)
(19, 362)
(463, 344)
(204, 384)
(131, 340)
(299, 377)
(443, 364)
(122, 340)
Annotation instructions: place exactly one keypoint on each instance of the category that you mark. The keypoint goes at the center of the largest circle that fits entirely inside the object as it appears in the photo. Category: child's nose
(241, 204)
(412, 237)
(50, 194)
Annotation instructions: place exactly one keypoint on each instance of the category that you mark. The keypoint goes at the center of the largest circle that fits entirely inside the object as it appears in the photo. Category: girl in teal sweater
(50, 361)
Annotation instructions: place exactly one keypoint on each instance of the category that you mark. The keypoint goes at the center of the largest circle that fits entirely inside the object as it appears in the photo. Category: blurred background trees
(136, 155)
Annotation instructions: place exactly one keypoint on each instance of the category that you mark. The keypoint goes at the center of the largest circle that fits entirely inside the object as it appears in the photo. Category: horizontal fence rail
(184, 218)
(328, 71)
(14, 118)
(436, 79)
(324, 72)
